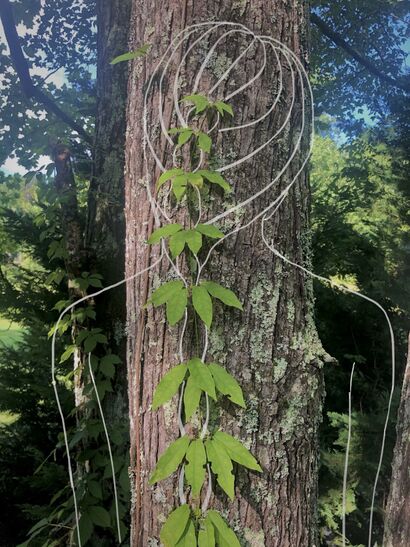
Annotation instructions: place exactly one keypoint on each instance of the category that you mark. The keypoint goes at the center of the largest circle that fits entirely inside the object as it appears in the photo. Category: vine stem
(114, 481)
(346, 466)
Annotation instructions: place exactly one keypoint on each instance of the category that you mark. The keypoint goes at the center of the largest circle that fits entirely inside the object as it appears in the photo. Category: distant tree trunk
(105, 235)
(397, 519)
(272, 348)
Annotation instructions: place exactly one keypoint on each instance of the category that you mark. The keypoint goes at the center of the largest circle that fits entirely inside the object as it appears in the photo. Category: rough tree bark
(272, 348)
(397, 520)
(105, 231)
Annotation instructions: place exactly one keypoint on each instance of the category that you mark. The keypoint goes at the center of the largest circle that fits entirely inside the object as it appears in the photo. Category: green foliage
(202, 103)
(139, 52)
(169, 385)
(195, 468)
(175, 525)
(181, 179)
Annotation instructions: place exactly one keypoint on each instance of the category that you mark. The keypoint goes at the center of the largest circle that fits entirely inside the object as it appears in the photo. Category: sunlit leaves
(170, 459)
(174, 295)
(180, 180)
(169, 385)
(164, 232)
(192, 397)
(202, 103)
(179, 238)
(206, 536)
(224, 295)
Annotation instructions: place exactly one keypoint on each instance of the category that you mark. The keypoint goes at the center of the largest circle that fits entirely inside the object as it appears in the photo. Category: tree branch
(20, 64)
(401, 83)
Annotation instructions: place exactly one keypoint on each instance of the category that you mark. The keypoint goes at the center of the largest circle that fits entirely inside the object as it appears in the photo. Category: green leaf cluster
(180, 237)
(202, 103)
(181, 179)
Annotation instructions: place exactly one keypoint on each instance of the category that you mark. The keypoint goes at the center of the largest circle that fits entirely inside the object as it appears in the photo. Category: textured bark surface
(397, 520)
(272, 347)
(105, 235)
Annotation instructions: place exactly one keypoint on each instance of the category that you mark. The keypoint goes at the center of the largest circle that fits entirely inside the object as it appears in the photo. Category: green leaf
(227, 384)
(215, 178)
(202, 377)
(140, 52)
(169, 385)
(188, 538)
(223, 531)
(224, 295)
(95, 489)
(195, 179)
(223, 107)
(176, 306)
(168, 175)
(86, 528)
(204, 142)
(199, 101)
(206, 536)
(209, 231)
(68, 353)
(221, 466)
(179, 185)
(184, 136)
(177, 244)
(170, 459)
(193, 240)
(164, 231)
(165, 292)
(195, 470)
(192, 396)
(202, 303)
(175, 525)
(99, 516)
(107, 368)
(236, 451)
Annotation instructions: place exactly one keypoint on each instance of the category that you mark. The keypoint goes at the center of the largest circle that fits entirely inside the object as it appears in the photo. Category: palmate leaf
(215, 178)
(236, 451)
(201, 376)
(209, 231)
(226, 384)
(175, 296)
(192, 238)
(224, 295)
(195, 468)
(199, 101)
(192, 397)
(225, 536)
(164, 232)
(221, 465)
(170, 459)
(169, 385)
(206, 536)
(168, 175)
(175, 526)
(202, 303)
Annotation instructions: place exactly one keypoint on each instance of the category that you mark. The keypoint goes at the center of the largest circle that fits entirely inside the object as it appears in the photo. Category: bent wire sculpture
(179, 181)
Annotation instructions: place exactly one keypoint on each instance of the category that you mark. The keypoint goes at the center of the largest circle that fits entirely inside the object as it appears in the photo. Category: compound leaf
(236, 451)
(224, 295)
(164, 231)
(201, 376)
(165, 292)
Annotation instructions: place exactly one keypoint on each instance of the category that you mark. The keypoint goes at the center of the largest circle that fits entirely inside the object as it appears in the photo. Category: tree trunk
(272, 348)
(106, 223)
(397, 520)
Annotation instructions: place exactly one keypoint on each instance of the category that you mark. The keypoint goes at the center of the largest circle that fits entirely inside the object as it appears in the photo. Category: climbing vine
(206, 452)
